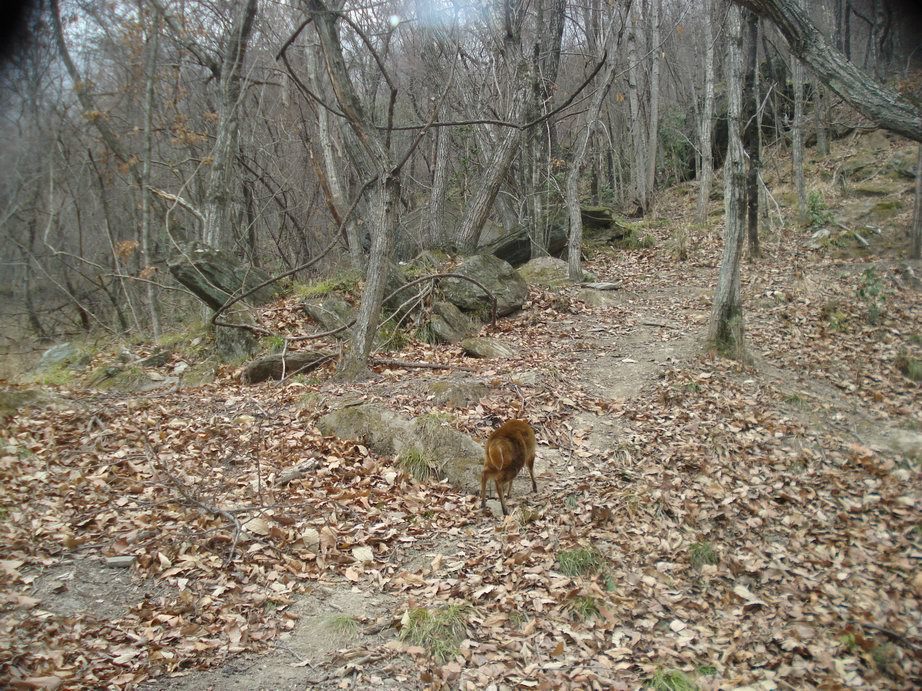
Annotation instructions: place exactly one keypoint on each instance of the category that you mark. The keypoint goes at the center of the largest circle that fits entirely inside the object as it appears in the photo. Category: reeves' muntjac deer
(509, 448)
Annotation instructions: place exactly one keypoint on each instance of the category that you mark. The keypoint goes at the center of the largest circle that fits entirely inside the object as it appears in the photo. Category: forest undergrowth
(723, 525)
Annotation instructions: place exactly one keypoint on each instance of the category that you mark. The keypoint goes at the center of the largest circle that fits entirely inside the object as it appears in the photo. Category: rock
(871, 188)
(331, 312)
(125, 561)
(58, 356)
(458, 393)
(597, 217)
(14, 400)
(396, 279)
(819, 239)
(527, 378)
(214, 275)
(597, 298)
(363, 554)
(549, 272)
(516, 247)
(459, 459)
(496, 276)
(601, 286)
(372, 425)
(272, 366)
(456, 457)
(904, 442)
(156, 359)
(486, 347)
(448, 324)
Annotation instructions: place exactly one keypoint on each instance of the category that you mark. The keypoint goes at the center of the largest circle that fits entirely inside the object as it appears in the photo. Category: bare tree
(725, 332)
(706, 174)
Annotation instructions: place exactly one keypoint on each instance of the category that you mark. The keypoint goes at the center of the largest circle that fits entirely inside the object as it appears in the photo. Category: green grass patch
(581, 561)
(440, 631)
(583, 607)
(345, 282)
(414, 462)
(910, 367)
(342, 626)
(671, 680)
(273, 344)
(702, 554)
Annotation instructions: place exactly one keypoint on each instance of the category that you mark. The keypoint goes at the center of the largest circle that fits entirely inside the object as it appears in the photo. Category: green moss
(345, 282)
(272, 344)
(59, 375)
(440, 631)
(910, 367)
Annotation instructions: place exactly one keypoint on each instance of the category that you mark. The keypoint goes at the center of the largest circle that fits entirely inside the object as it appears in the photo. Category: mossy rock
(372, 425)
(872, 188)
(331, 312)
(458, 393)
(448, 324)
(486, 347)
(549, 272)
(14, 400)
(425, 263)
(113, 377)
(497, 276)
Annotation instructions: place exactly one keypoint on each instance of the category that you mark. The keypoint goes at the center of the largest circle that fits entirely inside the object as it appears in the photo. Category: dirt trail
(662, 329)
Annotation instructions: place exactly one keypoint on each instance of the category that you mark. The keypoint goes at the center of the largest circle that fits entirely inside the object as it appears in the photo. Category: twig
(420, 365)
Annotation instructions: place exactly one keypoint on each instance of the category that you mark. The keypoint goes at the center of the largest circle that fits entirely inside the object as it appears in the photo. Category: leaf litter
(810, 531)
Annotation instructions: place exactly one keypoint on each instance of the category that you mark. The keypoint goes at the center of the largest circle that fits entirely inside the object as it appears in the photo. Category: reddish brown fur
(507, 450)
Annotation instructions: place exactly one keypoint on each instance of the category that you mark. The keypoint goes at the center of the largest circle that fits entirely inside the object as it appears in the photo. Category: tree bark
(915, 250)
(218, 196)
(653, 134)
(706, 174)
(883, 105)
(752, 137)
(153, 300)
(638, 169)
(574, 248)
(797, 135)
(725, 333)
(436, 207)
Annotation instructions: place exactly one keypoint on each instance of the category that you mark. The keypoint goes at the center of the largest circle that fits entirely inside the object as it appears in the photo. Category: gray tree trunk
(436, 208)
(706, 174)
(883, 105)
(797, 135)
(218, 195)
(153, 299)
(915, 250)
(725, 332)
(653, 136)
(638, 169)
(574, 248)
(752, 137)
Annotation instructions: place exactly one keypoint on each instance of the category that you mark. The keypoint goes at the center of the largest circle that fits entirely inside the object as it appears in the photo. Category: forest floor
(746, 525)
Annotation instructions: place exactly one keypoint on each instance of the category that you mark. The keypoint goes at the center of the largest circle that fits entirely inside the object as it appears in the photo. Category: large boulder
(458, 392)
(59, 355)
(274, 366)
(448, 324)
(516, 247)
(495, 275)
(214, 276)
(549, 272)
(488, 348)
(331, 312)
(453, 456)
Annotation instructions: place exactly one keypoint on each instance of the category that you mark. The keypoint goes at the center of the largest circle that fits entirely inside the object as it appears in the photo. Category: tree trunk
(915, 250)
(386, 206)
(797, 135)
(638, 170)
(706, 173)
(574, 249)
(883, 105)
(820, 111)
(725, 332)
(218, 195)
(153, 300)
(653, 135)
(436, 208)
(752, 137)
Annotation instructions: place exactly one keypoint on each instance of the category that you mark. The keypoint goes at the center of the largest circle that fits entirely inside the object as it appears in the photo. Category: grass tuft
(583, 607)
(671, 680)
(439, 631)
(342, 626)
(702, 554)
(414, 462)
(580, 562)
